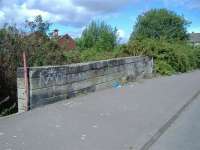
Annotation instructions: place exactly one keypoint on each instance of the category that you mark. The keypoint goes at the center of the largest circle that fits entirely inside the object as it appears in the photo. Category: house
(194, 39)
(65, 41)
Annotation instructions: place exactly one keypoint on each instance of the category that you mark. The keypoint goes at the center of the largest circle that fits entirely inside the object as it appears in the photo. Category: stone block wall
(48, 84)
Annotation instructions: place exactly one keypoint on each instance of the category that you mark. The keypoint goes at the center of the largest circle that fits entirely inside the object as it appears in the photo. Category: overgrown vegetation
(160, 23)
(162, 34)
(169, 57)
(158, 33)
(99, 36)
(40, 50)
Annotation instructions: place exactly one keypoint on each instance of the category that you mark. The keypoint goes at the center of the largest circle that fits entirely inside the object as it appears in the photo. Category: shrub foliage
(160, 23)
(169, 57)
(98, 35)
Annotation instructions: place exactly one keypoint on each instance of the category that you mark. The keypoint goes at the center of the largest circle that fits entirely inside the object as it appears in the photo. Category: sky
(72, 16)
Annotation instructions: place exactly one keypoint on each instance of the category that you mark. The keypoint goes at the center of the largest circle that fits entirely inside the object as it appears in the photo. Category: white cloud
(66, 12)
(18, 13)
(102, 5)
(121, 33)
(123, 36)
(2, 17)
(75, 13)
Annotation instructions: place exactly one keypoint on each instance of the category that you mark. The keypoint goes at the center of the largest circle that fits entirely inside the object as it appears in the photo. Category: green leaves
(38, 25)
(162, 34)
(170, 57)
(160, 23)
(163, 68)
(98, 35)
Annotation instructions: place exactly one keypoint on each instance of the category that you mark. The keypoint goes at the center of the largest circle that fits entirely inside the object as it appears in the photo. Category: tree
(38, 25)
(160, 23)
(98, 35)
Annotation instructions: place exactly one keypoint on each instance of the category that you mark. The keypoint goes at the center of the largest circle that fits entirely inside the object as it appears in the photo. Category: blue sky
(72, 16)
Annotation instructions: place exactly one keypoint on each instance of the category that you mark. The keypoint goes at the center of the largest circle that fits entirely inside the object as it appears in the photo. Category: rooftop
(194, 37)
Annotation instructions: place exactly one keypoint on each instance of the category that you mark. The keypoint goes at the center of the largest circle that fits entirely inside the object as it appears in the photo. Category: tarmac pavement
(127, 118)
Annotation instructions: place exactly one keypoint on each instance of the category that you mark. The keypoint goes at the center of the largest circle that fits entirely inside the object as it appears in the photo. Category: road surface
(184, 133)
(134, 117)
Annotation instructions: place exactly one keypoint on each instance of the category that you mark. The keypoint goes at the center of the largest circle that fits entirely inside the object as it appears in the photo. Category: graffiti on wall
(51, 76)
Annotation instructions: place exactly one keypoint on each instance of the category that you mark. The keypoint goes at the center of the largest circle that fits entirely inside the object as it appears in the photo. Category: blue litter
(116, 85)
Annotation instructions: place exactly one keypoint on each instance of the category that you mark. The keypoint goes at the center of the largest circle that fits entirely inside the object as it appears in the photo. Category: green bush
(163, 68)
(98, 35)
(72, 56)
(170, 56)
(46, 52)
(94, 55)
(197, 56)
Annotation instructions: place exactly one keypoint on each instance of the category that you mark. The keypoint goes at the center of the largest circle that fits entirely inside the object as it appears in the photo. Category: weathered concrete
(112, 119)
(53, 83)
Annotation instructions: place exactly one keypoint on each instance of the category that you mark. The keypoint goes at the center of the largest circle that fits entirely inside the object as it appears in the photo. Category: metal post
(26, 94)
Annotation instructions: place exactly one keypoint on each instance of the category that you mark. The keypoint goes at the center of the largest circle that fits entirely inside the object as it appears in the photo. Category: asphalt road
(114, 119)
(184, 133)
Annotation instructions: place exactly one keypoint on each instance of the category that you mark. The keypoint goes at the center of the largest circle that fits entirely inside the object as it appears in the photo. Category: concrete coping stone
(80, 67)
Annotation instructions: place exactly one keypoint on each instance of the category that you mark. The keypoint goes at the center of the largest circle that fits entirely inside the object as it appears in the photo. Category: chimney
(55, 33)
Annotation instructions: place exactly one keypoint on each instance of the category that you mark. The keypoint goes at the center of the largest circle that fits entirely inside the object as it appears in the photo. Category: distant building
(65, 41)
(194, 39)
(55, 33)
